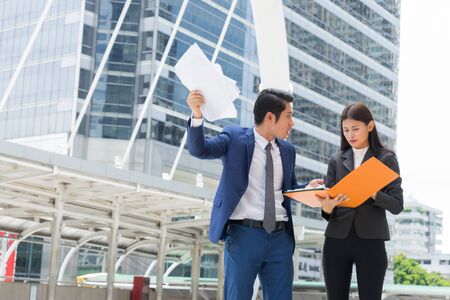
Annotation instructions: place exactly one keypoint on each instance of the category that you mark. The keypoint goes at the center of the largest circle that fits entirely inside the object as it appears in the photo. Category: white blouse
(358, 156)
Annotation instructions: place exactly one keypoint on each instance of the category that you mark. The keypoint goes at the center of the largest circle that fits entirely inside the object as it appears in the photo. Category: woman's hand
(328, 204)
(315, 183)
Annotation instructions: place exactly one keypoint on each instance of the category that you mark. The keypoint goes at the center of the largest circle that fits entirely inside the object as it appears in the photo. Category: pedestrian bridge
(66, 198)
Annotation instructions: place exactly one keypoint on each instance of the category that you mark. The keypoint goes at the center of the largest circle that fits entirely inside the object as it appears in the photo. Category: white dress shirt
(358, 156)
(251, 205)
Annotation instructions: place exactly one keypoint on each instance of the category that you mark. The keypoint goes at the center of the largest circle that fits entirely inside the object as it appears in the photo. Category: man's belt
(279, 225)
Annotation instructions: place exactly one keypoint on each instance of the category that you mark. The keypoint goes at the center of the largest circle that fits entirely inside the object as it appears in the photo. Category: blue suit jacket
(235, 147)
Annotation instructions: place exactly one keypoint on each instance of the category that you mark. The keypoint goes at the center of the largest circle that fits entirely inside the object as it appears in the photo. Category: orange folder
(359, 185)
(306, 196)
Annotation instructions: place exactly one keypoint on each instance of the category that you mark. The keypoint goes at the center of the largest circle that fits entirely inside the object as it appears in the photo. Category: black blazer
(370, 217)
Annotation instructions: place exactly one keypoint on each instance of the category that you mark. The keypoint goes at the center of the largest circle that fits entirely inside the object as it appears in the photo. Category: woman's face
(357, 132)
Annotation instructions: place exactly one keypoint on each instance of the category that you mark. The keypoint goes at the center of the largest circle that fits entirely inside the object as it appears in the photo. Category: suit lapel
(250, 146)
(368, 155)
(348, 161)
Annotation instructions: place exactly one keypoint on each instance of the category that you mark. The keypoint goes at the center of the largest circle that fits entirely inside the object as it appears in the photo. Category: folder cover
(306, 196)
(359, 185)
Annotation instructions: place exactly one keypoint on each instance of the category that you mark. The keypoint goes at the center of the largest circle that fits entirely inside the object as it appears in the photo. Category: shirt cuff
(196, 122)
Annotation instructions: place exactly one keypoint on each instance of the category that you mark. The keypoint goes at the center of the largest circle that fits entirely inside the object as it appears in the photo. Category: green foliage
(408, 271)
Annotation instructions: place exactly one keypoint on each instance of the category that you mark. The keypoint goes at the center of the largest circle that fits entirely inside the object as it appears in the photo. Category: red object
(8, 240)
(141, 289)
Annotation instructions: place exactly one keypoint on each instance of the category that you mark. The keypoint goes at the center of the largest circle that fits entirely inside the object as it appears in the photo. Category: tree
(409, 272)
(436, 279)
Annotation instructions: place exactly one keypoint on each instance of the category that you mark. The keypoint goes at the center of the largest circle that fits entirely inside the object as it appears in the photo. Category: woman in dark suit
(357, 235)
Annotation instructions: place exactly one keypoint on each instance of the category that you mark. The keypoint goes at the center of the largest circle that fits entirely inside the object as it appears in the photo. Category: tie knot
(268, 147)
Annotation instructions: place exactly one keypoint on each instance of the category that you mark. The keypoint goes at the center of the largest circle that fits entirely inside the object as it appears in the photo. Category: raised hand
(196, 99)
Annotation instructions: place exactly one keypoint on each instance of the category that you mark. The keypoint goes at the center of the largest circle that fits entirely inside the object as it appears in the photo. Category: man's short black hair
(270, 100)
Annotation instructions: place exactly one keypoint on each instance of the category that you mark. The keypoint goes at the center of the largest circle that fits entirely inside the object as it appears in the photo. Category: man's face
(282, 127)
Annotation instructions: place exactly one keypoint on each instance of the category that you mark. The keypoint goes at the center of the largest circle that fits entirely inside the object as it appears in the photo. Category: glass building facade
(41, 101)
(340, 52)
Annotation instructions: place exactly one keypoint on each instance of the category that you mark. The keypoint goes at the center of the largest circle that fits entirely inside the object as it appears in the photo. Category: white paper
(196, 72)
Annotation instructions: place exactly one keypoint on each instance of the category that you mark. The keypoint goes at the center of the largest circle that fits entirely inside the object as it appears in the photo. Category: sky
(423, 141)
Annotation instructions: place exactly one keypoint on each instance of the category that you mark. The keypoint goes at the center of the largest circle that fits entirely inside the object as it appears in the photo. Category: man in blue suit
(249, 210)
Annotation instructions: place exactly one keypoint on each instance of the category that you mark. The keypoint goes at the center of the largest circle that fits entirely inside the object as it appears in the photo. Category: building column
(296, 262)
(195, 270)
(112, 250)
(298, 209)
(160, 259)
(220, 275)
(56, 237)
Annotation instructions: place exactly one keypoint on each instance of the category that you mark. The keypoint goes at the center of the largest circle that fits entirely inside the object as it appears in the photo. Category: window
(29, 258)
(88, 40)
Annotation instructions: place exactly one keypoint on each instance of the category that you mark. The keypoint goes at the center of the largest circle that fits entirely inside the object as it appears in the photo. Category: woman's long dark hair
(360, 112)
